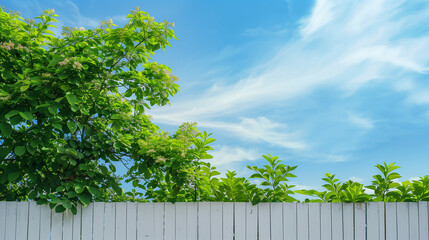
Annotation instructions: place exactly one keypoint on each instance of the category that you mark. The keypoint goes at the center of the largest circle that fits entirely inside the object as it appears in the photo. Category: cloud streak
(342, 46)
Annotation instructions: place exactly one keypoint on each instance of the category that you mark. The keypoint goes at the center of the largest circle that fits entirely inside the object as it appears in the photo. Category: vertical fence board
(289, 218)
(423, 221)
(77, 223)
(158, 221)
(391, 230)
(145, 221)
(181, 221)
(216, 220)
(337, 221)
(326, 221)
(87, 221)
(169, 221)
(2, 219)
(302, 221)
(375, 226)
(413, 216)
(11, 210)
(68, 226)
(251, 221)
(109, 221)
(348, 221)
(264, 221)
(57, 225)
(276, 221)
(33, 221)
(240, 220)
(45, 222)
(228, 220)
(191, 219)
(121, 220)
(131, 221)
(22, 221)
(314, 221)
(204, 220)
(359, 212)
(98, 222)
(402, 221)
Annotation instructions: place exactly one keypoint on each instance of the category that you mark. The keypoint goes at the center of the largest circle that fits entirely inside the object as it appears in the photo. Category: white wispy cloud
(360, 122)
(225, 155)
(342, 45)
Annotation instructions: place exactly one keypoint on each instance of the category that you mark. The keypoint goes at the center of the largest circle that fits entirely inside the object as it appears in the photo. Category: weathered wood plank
(391, 227)
(240, 221)
(251, 221)
(314, 221)
(348, 221)
(204, 220)
(169, 221)
(22, 221)
(228, 220)
(131, 220)
(359, 216)
(181, 221)
(337, 221)
(326, 221)
(302, 221)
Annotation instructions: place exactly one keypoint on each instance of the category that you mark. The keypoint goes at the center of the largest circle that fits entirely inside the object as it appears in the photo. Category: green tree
(72, 105)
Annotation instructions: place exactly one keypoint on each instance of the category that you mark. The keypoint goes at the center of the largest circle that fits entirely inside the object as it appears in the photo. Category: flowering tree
(72, 105)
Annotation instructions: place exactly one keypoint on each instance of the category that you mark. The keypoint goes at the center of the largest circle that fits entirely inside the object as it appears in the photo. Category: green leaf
(32, 194)
(6, 129)
(13, 176)
(94, 191)
(85, 198)
(57, 126)
(11, 113)
(19, 150)
(60, 209)
(116, 116)
(72, 99)
(54, 61)
(79, 189)
(31, 149)
(26, 115)
(72, 126)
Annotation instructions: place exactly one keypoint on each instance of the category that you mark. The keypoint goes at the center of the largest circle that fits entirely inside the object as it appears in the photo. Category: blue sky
(328, 85)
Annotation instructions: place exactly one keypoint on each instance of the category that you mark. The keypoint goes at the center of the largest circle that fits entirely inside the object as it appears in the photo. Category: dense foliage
(72, 107)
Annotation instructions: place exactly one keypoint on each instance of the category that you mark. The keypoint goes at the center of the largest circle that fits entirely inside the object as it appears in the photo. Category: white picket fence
(217, 221)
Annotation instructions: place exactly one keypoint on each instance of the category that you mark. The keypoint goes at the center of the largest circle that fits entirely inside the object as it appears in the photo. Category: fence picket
(145, 221)
(276, 221)
(57, 225)
(98, 223)
(68, 226)
(251, 221)
(326, 221)
(22, 221)
(240, 220)
(423, 221)
(181, 221)
(264, 221)
(289, 217)
(413, 216)
(109, 221)
(131, 221)
(204, 220)
(45, 222)
(158, 221)
(169, 221)
(87, 216)
(121, 220)
(314, 221)
(402, 222)
(337, 221)
(228, 220)
(33, 221)
(302, 221)
(2, 219)
(216, 220)
(77, 223)
(391, 227)
(191, 219)
(359, 218)
(348, 221)
(11, 210)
